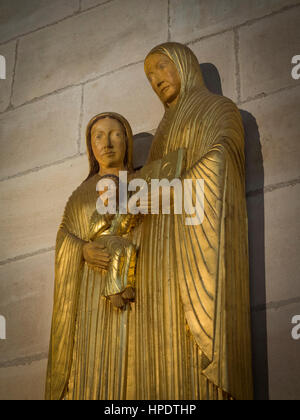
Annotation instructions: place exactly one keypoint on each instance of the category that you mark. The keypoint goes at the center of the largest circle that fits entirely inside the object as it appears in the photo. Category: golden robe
(192, 283)
(89, 337)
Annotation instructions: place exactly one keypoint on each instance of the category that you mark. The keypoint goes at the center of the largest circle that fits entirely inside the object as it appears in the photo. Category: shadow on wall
(254, 176)
(141, 148)
(24, 13)
(256, 221)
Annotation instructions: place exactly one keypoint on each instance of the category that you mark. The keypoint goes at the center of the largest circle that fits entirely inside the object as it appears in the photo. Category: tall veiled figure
(192, 303)
(89, 337)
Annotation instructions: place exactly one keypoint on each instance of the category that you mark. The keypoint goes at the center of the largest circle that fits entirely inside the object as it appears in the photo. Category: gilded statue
(89, 336)
(173, 321)
(194, 280)
(95, 266)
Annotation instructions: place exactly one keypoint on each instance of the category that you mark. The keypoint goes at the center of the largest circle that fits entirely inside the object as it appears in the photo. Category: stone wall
(70, 59)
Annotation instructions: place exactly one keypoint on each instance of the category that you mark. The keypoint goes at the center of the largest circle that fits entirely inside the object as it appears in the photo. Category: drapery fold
(68, 272)
(193, 281)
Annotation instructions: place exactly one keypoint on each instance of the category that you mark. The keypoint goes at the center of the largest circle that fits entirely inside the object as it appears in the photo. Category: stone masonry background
(70, 59)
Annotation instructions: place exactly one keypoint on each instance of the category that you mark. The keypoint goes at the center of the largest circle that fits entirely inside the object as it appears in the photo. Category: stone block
(272, 146)
(274, 237)
(193, 19)
(40, 133)
(283, 353)
(26, 383)
(17, 19)
(219, 57)
(266, 51)
(26, 301)
(8, 52)
(88, 45)
(127, 92)
(32, 206)
(86, 4)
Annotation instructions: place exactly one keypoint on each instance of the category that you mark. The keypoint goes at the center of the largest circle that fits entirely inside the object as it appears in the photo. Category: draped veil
(211, 260)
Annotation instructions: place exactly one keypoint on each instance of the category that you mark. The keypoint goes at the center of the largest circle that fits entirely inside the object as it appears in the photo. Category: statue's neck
(111, 171)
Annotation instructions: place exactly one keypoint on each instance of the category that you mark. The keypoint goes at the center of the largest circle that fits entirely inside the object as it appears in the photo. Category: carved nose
(108, 147)
(108, 143)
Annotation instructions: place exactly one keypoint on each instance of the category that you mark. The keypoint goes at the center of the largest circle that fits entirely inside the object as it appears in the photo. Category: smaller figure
(111, 231)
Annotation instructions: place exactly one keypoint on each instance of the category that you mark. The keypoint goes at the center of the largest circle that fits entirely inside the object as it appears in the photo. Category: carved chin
(113, 163)
(169, 96)
(170, 99)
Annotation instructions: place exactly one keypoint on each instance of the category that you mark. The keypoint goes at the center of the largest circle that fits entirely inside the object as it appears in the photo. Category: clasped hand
(96, 255)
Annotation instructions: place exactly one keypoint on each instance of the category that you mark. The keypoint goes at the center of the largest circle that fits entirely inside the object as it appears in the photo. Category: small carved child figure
(112, 232)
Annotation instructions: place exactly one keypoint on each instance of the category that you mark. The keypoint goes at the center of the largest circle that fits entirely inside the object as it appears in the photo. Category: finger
(100, 253)
(97, 258)
(97, 267)
(101, 264)
(104, 257)
(100, 257)
(101, 267)
(99, 246)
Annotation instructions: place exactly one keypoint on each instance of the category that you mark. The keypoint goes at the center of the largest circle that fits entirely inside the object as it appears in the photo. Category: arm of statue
(120, 278)
(96, 255)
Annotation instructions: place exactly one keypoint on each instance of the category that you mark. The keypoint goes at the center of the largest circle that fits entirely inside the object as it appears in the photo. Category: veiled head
(109, 143)
(175, 66)
(164, 77)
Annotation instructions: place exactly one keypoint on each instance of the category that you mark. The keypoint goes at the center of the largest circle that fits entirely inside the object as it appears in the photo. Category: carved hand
(96, 255)
(120, 300)
(117, 301)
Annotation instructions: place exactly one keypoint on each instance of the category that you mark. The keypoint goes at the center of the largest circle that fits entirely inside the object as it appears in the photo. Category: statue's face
(109, 143)
(164, 78)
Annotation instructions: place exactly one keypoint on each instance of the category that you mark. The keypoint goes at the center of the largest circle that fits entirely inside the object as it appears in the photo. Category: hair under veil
(93, 163)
